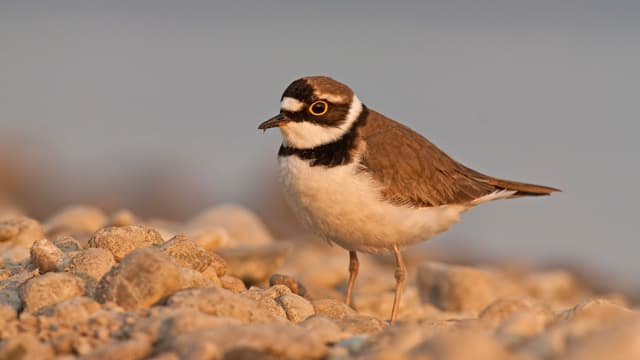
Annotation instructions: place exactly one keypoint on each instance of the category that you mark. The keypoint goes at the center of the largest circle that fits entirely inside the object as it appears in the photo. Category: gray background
(103, 94)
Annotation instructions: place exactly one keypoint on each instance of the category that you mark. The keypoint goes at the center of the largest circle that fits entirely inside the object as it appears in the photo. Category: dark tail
(522, 189)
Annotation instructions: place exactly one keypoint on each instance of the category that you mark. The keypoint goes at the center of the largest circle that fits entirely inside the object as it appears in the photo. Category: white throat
(306, 135)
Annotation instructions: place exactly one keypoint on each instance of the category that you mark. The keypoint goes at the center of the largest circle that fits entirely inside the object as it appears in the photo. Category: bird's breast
(343, 204)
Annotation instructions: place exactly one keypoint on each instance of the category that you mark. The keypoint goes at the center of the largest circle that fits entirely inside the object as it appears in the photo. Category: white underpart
(291, 104)
(496, 195)
(343, 205)
(306, 135)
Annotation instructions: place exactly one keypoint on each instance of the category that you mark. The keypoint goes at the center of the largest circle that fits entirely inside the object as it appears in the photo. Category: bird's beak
(275, 121)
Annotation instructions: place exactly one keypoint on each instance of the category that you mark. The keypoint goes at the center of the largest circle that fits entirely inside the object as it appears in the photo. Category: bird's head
(314, 111)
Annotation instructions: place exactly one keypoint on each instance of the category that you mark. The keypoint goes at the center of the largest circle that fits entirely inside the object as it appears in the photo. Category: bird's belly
(344, 205)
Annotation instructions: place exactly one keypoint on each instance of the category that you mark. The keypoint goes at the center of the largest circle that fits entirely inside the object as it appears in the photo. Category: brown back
(414, 172)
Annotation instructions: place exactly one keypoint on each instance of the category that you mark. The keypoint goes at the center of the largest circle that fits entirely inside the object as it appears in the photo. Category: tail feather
(520, 188)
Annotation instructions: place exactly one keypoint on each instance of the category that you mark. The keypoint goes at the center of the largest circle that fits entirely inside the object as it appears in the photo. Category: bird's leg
(353, 272)
(401, 276)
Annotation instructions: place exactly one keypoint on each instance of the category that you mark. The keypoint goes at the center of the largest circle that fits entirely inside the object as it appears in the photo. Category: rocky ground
(84, 284)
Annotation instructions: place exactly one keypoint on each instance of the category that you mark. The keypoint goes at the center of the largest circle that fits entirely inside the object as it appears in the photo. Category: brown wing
(415, 172)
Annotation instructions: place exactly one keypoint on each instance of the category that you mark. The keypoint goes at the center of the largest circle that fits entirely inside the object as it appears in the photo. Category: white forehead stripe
(307, 135)
(336, 99)
(291, 104)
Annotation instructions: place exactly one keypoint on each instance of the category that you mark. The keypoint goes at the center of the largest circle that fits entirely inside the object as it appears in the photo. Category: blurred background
(153, 106)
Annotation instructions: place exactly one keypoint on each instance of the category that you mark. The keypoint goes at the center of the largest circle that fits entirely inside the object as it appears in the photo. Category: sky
(537, 91)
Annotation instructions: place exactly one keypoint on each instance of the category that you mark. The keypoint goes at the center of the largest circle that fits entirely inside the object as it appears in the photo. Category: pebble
(138, 347)
(73, 310)
(255, 264)
(46, 256)
(93, 262)
(221, 302)
(25, 347)
(50, 288)
(187, 253)
(140, 280)
(67, 243)
(294, 285)
(123, 240)
(461, 288)
(332, 308)
(211, 238)
(295, 306)
(242, 225)
(20, 231)
(266, 341)
(75, 220)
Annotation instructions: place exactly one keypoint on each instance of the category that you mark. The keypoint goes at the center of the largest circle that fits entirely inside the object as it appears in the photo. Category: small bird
(368, 183)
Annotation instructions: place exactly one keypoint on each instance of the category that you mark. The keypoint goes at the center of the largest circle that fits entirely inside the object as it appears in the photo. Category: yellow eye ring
(318, 108)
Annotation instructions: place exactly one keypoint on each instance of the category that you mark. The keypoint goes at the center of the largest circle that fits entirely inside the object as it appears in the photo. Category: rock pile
(85, 284)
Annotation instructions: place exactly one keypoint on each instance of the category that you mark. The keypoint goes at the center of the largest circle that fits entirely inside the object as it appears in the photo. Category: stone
(600, 311)
(503, 308)
(50, 288)
(122, 217)
(194, 279)
(92, 262)
(210, 275)
(25, 347)
(324, 329)
(172, 356)
(462, 289)
(135, 348)
(123, 240)
(583, 320)
(256, 341)
(171, 322)
(556, 286)
(332, 308)
(522, 325)
(67, 243)
(219, 264)
(397, 339)
(74, 310)
(75, 220)
(461, 344)
(255, 264)
(211, 238)
(294, 285)
(360, 324)
(187, 253)
(20, 231)
(140, 280)
(232, 283)
(295, 306)
(266, 299)
(242, 225)
(46, 256)
(379, 303)
(220, 302)
(619, 342)
(10, 297)
(14, 256)
(7, 312)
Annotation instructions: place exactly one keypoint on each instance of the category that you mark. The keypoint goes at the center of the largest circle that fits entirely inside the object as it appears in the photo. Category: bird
(368, 183)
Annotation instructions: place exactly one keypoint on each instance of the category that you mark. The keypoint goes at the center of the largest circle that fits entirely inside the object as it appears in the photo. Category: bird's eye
(318, 108)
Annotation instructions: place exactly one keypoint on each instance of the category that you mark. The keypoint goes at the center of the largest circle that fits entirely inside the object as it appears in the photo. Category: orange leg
(354, 264)
(401, 276)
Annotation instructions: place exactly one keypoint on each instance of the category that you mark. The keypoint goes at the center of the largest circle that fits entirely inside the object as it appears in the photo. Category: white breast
(343, 205)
